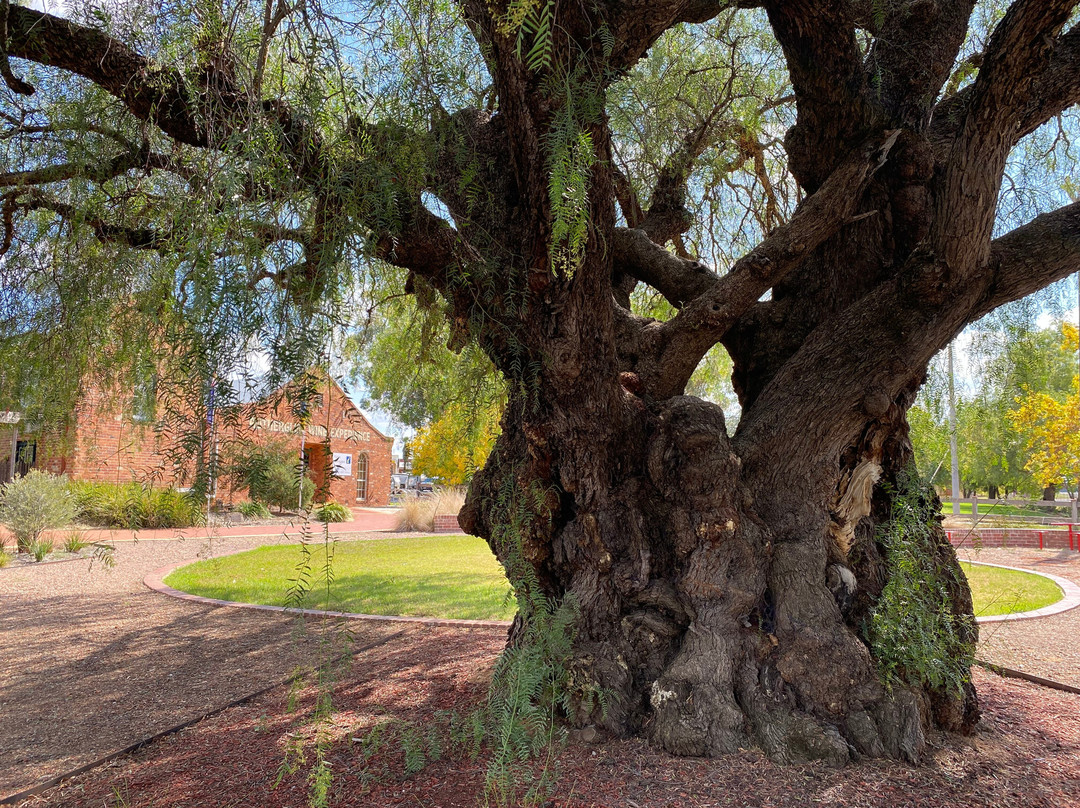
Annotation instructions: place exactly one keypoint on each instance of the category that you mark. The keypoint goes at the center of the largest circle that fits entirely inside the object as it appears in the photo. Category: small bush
(253, 510)
(5, 559)
(269, 473)
(40, 548)
(135, 506)
(280, 488)
(34, 503)
(332, 512)
(74, 543)
(416, 513)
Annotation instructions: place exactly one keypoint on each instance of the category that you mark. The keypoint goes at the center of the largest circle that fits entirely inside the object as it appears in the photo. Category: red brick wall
(106, 445)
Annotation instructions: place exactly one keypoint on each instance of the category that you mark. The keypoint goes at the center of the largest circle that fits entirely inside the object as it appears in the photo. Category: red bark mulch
(1026, 753)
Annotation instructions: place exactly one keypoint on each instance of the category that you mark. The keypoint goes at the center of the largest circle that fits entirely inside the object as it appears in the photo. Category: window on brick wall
(144, 398)
(361, 477)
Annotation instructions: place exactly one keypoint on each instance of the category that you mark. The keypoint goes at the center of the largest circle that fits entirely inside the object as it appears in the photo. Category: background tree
(455, 446)
(231, 170)
(1010, 359)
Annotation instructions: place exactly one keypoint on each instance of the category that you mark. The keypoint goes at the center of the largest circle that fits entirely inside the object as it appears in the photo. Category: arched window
(361, 478)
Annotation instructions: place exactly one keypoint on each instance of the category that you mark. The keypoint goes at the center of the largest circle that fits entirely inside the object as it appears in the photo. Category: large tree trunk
(723, 595)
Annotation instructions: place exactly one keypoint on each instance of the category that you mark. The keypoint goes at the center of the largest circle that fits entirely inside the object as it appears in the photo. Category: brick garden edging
(156, 581)
(446, 523)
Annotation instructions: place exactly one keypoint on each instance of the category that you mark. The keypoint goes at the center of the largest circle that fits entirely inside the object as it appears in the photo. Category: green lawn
(458, 577)
(454, 577)
(1005, 510)
(998, 591)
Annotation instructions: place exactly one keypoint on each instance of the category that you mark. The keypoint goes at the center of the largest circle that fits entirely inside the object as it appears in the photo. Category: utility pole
(952, 438)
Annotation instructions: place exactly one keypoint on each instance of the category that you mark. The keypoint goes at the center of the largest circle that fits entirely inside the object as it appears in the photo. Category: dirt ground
(91, 661)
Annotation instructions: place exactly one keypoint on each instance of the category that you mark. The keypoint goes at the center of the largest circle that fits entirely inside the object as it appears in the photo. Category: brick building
(347, 458)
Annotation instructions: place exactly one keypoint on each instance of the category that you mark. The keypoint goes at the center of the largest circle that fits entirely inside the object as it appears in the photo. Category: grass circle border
(1070, 596)
(156, 582)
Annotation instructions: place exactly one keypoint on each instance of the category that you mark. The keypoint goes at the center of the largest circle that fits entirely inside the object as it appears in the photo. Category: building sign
(342, 464)
(7, 417)
(317, 430)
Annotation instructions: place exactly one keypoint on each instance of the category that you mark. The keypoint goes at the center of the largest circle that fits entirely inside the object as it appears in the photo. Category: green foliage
(1011, 359)
(914, 635)
(536, 26)
(40, 548)
(135, 506)
(250, 509)
(74, 542)
(403, 362)
(270, 473)
(34, 503)
(332, 512)
(5, 559)
(530, 682)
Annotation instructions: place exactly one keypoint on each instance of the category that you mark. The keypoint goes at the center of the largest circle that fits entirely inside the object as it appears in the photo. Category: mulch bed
(1026, 752)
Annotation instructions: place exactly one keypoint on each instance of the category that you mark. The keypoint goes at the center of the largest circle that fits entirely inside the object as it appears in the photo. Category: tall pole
(952, 438)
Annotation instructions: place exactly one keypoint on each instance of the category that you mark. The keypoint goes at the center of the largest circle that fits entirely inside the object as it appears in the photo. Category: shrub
(135, 506)
(332, 512)
(914, 635)
(269, 472)
(34, 503)
(253, 510)
(416, 513)
(5, 559)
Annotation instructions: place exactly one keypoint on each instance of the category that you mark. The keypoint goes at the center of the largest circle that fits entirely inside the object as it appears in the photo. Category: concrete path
(364, 519)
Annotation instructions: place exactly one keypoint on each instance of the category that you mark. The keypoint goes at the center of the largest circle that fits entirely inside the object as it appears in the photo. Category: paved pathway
(1044, 646)
(364, 519)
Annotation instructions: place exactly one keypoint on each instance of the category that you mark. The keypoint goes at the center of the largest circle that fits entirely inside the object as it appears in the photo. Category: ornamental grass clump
(332, 512)
(253, 510)
(135, 506)
(416, 513)
(34, 503)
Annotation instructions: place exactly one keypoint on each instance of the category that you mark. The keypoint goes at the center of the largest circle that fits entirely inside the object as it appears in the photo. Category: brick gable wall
(106, 445)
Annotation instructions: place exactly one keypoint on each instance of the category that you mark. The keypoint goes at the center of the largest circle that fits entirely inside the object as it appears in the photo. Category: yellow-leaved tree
(457, 444)
(1052, 428)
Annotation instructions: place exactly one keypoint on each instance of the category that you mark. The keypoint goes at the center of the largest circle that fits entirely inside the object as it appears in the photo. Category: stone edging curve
(1069, 590)
(156, 581)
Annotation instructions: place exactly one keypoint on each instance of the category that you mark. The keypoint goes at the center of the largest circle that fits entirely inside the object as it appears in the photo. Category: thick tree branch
(677, 279)
(1031, 257)
(913, 54)
(818, 38)
(140, 159)
(1052, 91)
(1020, 49)
(152, 93)
(680, 343)
(139, 238)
